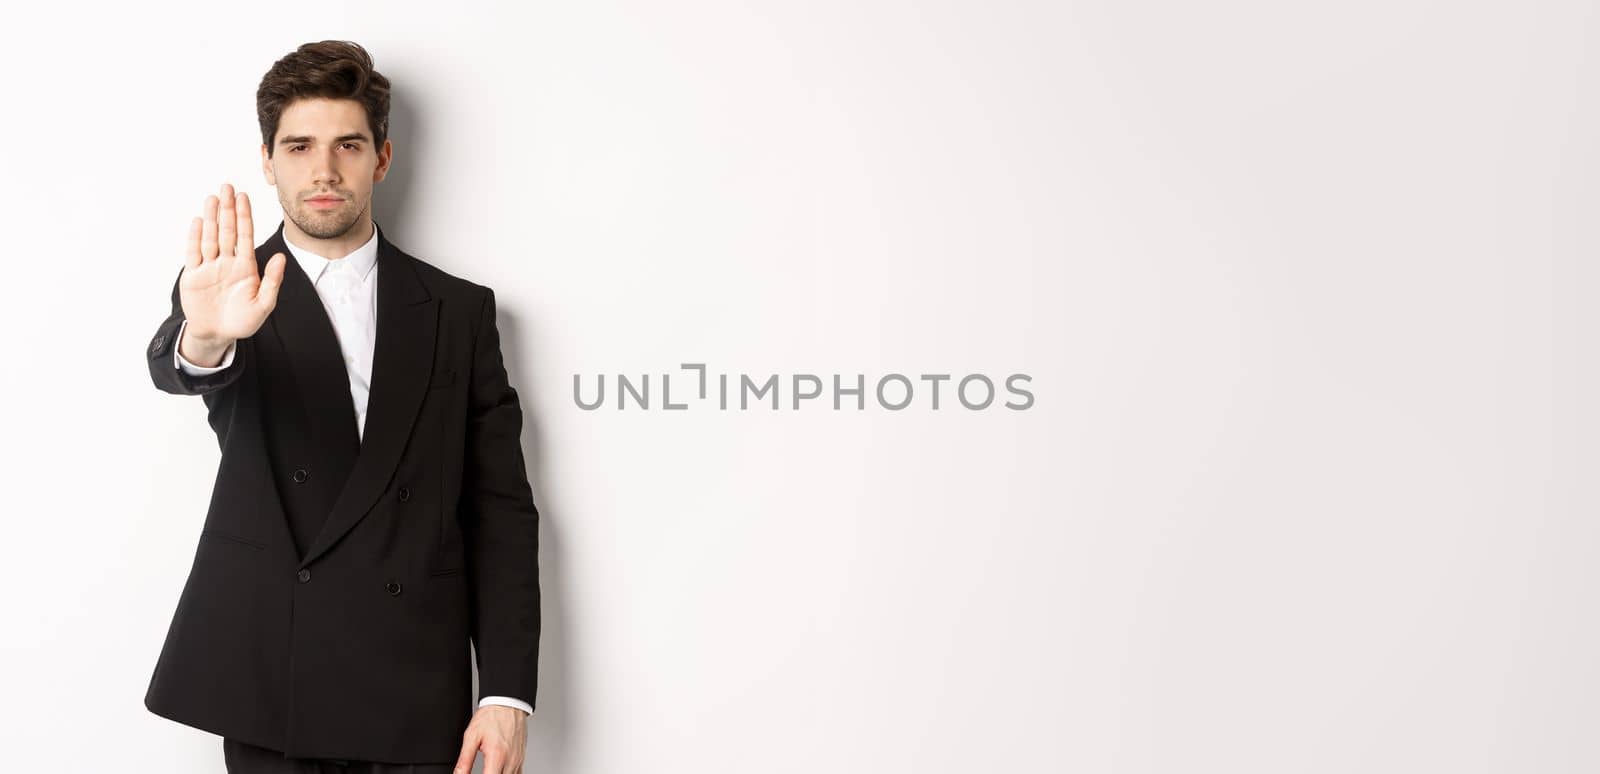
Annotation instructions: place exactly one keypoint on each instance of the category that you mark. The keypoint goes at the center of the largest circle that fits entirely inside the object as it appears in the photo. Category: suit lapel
(306, 334)
(402, 361)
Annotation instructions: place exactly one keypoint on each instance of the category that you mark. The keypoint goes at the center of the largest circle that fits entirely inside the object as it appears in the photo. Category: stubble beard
(326, 225)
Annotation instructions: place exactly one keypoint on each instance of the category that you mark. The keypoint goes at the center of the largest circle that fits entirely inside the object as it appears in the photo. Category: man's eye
(351, 145)
(297, 147)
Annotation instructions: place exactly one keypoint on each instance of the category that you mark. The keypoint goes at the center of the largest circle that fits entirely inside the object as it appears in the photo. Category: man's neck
(332, 249)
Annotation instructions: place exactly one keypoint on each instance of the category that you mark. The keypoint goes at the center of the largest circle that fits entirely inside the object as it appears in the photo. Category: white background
(1306, 292)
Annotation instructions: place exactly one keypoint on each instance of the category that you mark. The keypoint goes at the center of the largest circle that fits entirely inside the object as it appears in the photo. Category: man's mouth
(324, 202)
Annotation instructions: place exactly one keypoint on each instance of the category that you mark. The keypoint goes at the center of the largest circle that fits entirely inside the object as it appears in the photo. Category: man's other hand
(502, 733)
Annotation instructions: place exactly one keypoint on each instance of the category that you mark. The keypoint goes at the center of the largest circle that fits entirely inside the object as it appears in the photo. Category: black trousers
(245, 758)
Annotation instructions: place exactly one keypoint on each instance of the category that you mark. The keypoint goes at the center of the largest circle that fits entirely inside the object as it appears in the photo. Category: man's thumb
(267, 293)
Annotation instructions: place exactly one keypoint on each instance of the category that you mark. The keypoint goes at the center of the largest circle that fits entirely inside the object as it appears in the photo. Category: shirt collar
(362, 259)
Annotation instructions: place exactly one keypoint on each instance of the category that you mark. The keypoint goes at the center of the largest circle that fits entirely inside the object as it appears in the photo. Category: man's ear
(385, 155)
(266, 166)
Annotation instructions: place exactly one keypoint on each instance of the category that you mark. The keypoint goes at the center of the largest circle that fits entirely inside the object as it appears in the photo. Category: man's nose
(326, 170)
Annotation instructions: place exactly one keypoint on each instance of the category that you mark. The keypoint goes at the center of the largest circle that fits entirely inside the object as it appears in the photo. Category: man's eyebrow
(300, 138)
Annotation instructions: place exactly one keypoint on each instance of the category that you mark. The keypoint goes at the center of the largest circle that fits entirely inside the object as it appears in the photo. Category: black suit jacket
(337, 579)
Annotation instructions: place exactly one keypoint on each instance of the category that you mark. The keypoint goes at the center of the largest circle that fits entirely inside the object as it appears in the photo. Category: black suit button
(305, 575)
(405, 494)
(394, 588)
(300, 474)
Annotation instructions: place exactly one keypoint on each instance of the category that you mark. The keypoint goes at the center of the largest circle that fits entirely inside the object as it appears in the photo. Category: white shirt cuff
(505, 701)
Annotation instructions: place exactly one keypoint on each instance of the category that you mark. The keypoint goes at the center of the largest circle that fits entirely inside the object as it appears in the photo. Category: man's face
(324, 165)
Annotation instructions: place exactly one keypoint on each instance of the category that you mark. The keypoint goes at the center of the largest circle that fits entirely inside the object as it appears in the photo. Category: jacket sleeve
(500, 525)
(164, 371)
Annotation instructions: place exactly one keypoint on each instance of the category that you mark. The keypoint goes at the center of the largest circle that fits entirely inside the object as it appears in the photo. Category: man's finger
(267, 291)
(247, 227)
(227, 236)
(191, 248)
(494, 762)
(469, 753)
(208, 233)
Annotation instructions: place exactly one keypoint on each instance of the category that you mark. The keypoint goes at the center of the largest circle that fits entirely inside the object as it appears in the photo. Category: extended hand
(501, 732)
(224, 296)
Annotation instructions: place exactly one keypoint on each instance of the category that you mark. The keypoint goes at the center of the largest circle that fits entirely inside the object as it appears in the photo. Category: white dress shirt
(348, 289)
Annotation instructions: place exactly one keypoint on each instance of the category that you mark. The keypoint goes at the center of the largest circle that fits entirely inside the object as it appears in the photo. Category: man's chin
(324, 225)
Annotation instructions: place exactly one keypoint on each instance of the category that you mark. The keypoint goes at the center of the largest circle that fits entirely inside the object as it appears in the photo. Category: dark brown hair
(331, 69)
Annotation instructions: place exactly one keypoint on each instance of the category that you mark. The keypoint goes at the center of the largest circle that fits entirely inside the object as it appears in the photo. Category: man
(371, 513)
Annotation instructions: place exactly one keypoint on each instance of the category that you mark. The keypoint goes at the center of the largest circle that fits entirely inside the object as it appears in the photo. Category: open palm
(223, 293)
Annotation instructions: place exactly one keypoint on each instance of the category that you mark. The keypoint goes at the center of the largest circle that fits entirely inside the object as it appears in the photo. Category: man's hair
(331, 69)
